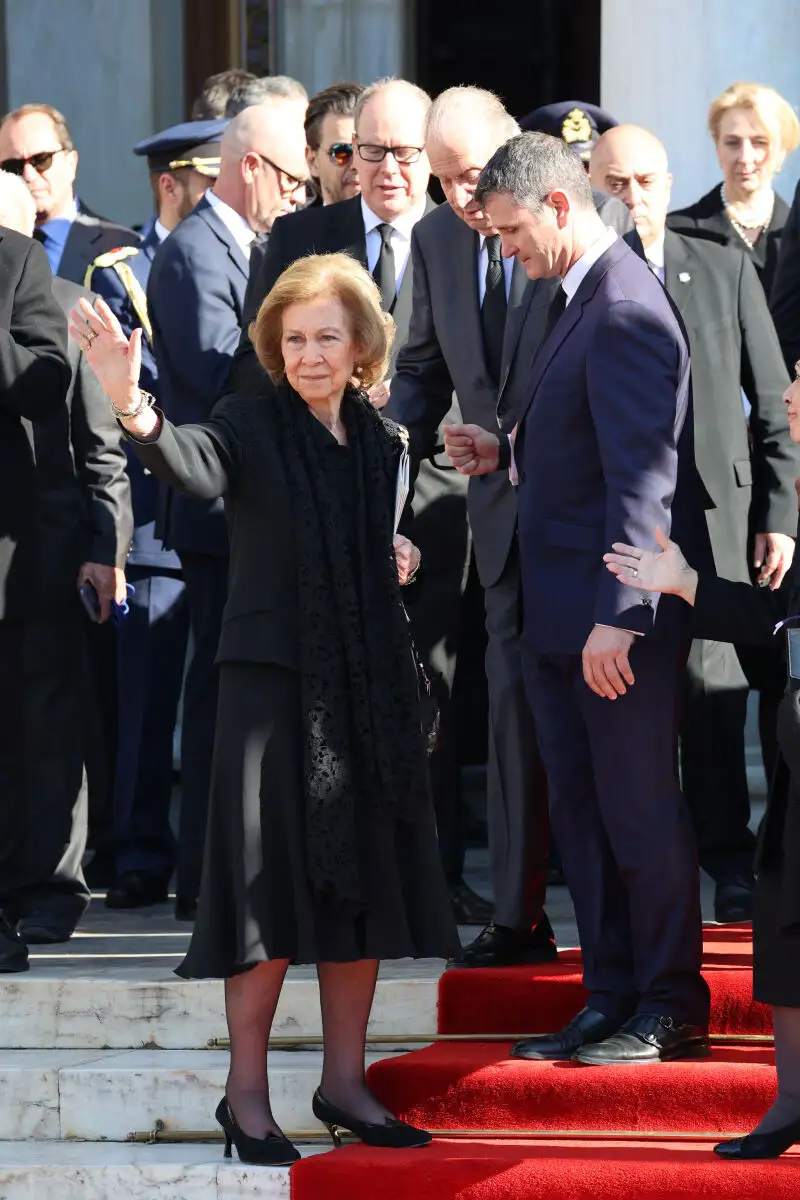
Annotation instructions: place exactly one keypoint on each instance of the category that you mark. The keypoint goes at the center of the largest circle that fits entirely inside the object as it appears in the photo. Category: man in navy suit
(183, 162)
(195, 299)
(603, 453)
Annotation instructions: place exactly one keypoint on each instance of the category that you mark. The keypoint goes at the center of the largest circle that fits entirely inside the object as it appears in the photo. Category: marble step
(47, 1095)
(128, 1007)
(92, 1171)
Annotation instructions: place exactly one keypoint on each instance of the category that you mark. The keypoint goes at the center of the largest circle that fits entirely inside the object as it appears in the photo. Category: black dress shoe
(589, 1026)
(41, 930)
(185, 908)
(274, 1150)
(761, 1145)
(136, 889)
(468, 907)
(389, 1135)
(647, 1038)
(13, 951)
(733, 900)
(499, 946)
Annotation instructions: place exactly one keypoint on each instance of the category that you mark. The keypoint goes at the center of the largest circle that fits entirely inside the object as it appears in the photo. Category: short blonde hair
(774, 113)
(337, 277)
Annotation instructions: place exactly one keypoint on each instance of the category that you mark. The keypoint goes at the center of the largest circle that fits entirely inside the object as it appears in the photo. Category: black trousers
(516, 780)
(55, 739)
(624, 831)
(713, 767)
(12, 760)
(206, 580)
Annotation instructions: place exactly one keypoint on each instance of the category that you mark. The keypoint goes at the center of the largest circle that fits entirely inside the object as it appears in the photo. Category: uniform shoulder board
(111, 257)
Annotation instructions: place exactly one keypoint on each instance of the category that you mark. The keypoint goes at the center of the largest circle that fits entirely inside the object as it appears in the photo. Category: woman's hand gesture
(115, 360)
(651, 571)
(408, 559)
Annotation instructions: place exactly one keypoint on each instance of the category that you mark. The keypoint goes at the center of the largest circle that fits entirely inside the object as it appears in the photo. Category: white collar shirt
(161, 231)
(402, 228)
(236, 224)
(483, 262)
(580, 269)
(655, 258)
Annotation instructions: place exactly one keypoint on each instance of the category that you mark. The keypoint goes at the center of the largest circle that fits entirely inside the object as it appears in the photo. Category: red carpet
(473, 1085)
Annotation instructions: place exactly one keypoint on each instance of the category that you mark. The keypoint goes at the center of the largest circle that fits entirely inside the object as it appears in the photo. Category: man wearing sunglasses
(35, 143)
(195, 300)
(330, 125)
(376, 228)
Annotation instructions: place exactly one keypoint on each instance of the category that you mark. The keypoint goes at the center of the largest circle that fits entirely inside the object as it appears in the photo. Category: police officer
(578, 124)
(183, 162)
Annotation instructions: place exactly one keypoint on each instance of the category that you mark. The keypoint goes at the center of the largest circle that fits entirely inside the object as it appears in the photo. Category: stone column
(321, 41)
(664, 61)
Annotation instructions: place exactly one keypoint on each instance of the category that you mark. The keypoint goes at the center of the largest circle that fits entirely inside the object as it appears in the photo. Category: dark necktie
(384, 273)
(557, 306)
(40, 236)
(493, 309)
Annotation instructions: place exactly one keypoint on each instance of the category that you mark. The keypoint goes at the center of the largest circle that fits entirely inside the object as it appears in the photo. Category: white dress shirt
(655, 257)
(401, 237)
(483, 262)
(241, 231)
(161, 231)
(580, 269)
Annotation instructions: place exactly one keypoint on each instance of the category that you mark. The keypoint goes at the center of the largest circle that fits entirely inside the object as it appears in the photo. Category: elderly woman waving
(321, 845)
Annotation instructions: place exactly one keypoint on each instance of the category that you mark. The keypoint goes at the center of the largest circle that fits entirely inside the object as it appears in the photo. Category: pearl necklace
(742, 226)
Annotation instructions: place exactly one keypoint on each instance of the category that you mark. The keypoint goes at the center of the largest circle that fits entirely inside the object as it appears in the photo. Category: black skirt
(256, 903)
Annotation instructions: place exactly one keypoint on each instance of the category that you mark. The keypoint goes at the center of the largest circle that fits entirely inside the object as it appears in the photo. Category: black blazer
(235, 453)
(195, 297)
(749, 477)
(34, 376)
(90, 235)
(784, 297)
(84, 496)
(707, 219)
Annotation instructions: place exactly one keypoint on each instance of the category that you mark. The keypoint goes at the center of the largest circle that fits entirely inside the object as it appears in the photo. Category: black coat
(90, 235)
(84, 496)
(749, 477)
(34, 377)
(784, 297)
(707, 219)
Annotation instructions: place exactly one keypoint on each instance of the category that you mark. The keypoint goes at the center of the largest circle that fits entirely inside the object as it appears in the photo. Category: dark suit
(151, 643)
(604, 453)
(195, 299)
(440, 520)
(34, 376)
(749, 476)
(83, 514)
(90, 235)
(784, 295)
(444, 352)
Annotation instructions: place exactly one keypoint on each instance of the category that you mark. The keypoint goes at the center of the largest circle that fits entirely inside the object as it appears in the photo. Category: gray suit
(444, 351)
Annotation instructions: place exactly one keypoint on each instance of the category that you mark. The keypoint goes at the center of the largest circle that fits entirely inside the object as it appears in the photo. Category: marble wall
(114, 68)
(319, 41)
(664, 61)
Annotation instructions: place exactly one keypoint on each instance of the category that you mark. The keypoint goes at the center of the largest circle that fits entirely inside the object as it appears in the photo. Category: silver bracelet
(145, 401)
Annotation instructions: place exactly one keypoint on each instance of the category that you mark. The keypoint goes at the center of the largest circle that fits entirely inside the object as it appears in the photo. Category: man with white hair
(82, 530)
(476, 322)
(195, 299)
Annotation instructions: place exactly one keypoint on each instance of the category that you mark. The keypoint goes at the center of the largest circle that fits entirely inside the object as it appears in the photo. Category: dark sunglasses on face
(340, 153)
(40, 162)
(376, 154)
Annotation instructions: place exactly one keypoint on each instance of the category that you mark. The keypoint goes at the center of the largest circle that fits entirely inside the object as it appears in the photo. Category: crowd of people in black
(215, 550)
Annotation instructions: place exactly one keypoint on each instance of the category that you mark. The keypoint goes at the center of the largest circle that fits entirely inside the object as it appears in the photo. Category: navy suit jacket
(605, 454)
(195, 299)
(148, 496)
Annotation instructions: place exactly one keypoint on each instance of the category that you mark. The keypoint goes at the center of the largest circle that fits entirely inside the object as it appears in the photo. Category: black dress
(256, 902)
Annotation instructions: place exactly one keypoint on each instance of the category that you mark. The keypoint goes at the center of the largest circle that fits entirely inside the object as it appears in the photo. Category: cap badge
(576, 127)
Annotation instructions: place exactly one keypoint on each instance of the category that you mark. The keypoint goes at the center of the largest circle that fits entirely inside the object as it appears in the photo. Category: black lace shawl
(364, 755)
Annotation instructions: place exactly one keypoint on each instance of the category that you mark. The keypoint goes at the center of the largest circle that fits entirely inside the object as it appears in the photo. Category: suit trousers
(206, 580)
(624, 830)
(516, 783)
(12, 759)
(56, 731)
(713, 767)
(151, 653)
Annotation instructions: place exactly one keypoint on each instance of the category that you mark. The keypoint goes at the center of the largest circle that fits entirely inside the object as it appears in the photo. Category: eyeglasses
(340, 153)
(376, 154)
(286, 182)
(40, 162)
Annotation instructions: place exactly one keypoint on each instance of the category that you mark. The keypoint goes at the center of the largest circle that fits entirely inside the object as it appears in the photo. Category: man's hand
(408, 559)
(108, 582)
(605, 661)
(471, 449)
(379, 393)
(773, 554)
